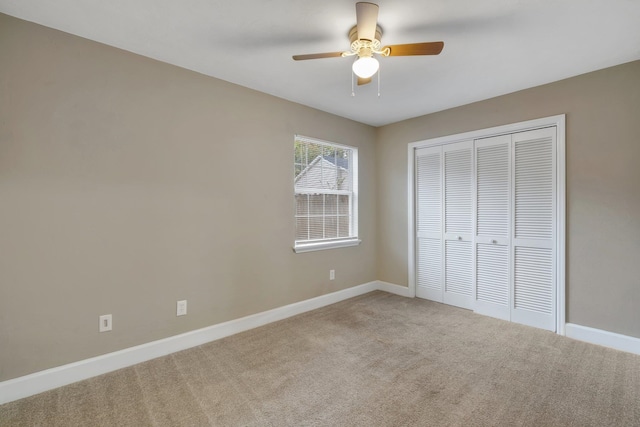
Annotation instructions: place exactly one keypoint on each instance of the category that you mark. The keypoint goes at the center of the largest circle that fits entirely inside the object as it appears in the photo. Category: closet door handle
(494, 241)
(459, 237)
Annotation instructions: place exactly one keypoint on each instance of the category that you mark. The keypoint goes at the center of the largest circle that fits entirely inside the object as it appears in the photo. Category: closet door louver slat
(458, 260)
(492, 275)
(458, 200)
(534, 193)
(492, 186)
(534, 280)
(429, 275)
(429, 194)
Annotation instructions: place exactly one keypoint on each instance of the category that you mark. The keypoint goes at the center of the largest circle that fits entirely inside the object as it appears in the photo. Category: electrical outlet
(332, 275)
(106, 323)
(181, 308)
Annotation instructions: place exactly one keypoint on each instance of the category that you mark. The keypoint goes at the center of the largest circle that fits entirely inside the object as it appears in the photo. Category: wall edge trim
(603, 338)
(392, 288)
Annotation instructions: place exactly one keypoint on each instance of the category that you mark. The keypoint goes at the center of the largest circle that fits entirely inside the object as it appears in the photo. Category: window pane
(329, 168)
(302, 180)
(301, 153)
(302, 228)
(343, 205)
(330, 227)
(302, 204)
(344, 180)
(316, 204)
(343, 226)
(330, 204)
(343, 162)
(300, 163)
(316, 228)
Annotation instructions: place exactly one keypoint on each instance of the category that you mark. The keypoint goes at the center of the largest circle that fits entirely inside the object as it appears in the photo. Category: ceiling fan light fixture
(365, 38)
(365, 67)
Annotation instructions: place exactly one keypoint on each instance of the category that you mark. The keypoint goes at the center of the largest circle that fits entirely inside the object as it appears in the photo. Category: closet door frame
(560, 242)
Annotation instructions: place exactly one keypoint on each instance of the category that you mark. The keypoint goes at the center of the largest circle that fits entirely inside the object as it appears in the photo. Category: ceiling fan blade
(366, 20)
(427, 48)
(317, 56)
(363, 81)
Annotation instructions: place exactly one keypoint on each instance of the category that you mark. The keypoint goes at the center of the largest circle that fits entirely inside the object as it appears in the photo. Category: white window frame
(341, 242)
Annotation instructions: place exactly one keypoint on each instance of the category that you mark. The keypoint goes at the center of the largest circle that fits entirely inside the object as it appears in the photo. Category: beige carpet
(375, 360)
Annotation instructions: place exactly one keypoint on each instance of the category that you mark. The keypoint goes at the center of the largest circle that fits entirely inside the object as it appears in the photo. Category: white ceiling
(492, 47)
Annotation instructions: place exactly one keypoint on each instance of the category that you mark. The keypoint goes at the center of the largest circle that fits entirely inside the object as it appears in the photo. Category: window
(325, 187)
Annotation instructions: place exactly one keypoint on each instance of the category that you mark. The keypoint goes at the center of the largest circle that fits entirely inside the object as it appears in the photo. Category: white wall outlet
(332, 275)
(106, 323)
(181, 308)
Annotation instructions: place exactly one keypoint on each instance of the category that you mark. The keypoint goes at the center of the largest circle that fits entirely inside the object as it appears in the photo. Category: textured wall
(127, 184)
(603, 186)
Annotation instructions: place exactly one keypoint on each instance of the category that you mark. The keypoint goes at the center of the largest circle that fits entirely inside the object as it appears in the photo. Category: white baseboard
(39, 382)
(604, 338)
(403, 291)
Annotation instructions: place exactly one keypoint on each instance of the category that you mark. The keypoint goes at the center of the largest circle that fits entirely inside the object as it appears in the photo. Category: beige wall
(603, 186)
(127, 184)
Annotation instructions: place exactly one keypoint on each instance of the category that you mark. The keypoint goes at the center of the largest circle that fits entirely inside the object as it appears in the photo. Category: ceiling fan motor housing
(365, 48)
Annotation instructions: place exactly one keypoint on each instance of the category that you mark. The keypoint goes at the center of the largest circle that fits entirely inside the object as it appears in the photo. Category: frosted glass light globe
(365, 67)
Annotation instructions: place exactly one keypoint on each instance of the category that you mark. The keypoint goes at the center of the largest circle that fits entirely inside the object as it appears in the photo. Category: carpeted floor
(374, 360)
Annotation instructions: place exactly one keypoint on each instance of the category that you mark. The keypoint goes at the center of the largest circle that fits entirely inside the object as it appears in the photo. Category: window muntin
(325, 188)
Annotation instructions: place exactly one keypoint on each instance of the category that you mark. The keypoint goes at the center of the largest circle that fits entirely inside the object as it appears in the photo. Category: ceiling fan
(365, 42)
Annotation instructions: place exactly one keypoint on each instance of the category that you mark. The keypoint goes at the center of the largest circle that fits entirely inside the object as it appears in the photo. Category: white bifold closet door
(486, 226)
(429, 272)
(444, 223)
(515, 231)
(458, 224)
(534, 228)
(493, 238)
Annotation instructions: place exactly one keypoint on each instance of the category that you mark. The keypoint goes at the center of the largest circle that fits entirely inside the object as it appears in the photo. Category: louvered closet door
(492, 292)
(429, 274)
(458, 224)
(534, 229)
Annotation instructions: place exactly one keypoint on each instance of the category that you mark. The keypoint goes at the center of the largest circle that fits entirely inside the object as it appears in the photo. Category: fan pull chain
(378, 83)
(353, 91)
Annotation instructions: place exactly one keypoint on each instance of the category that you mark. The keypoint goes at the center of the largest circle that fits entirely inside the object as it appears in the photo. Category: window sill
(320, 246)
